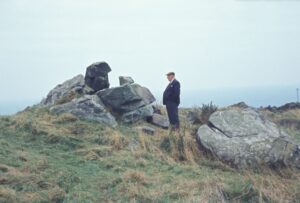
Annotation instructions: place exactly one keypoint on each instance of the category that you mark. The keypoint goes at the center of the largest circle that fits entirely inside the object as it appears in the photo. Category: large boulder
(96, 76)
(87, 107)
(244, 138)
(143, 113)
(67, 89)
(126, 98)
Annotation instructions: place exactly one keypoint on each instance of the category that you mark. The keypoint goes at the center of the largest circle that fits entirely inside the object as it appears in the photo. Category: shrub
(200, 115)
(206, 111)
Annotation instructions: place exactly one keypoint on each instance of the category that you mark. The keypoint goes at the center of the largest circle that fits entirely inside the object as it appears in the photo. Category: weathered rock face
(96, 76)
(74, 85)
(157, 109)
(126, 98)
(139, 114)
(241, 105)
(160, 121)
(244, 138)
(87, 107)
(125, 80)
(83, 97)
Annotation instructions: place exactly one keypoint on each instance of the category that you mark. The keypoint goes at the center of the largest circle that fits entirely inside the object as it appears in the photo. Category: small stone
(160, 121)
(125, 80)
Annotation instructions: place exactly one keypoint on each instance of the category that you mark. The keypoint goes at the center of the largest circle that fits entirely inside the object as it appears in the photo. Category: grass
(50, 158)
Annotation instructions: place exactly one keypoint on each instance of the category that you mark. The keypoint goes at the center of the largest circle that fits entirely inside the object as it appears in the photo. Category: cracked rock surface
(244, 138)
(89, 107)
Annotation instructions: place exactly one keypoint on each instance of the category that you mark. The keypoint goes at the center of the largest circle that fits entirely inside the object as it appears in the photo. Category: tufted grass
(50, 158)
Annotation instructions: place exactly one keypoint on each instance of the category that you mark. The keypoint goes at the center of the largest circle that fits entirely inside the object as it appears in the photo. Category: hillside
(89, 142)
(59, 158)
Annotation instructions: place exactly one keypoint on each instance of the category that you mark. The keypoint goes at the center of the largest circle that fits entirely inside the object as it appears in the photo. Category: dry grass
(117, 140)
(212, 191)
(65, 117)
(56, 194)
(41, 124)
(134, 176)
(274, 188)
(8, 195)
(166, 167)
(95, 153)
(290, 114)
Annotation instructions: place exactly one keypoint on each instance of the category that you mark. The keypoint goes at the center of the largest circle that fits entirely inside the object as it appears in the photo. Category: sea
(256, 97)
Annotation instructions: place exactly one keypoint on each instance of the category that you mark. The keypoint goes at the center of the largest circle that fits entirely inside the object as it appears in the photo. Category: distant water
(12, 107)
(256, 97)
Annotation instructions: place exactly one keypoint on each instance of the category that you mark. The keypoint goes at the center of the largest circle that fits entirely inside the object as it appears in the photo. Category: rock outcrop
(131, 101)
(96, 76)
(66, 89)
(244, 138)
(143, 113)
(88, 107)
(91, 98)
(126, 98)
(125, 80)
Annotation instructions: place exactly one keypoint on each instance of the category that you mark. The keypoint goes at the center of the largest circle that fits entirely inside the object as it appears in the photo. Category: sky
(211, 45)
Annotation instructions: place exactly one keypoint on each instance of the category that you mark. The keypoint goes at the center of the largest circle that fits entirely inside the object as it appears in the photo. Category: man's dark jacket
(172, 93)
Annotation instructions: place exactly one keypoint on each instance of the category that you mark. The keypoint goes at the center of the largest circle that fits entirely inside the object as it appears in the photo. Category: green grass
(48, 158)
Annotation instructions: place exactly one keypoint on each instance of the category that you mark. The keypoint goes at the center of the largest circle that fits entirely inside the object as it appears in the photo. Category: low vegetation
(201, 115)
(50, 158)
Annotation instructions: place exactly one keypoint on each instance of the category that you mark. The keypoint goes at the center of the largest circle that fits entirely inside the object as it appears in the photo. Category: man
(171, 99)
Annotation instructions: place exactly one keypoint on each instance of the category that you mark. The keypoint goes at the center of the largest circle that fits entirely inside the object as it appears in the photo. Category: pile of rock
(90, 97)
(238, 135)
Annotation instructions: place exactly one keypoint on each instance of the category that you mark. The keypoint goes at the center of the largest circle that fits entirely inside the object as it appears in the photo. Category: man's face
(170, 77)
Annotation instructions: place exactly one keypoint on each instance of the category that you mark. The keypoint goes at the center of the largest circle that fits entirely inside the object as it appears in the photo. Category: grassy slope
(48, 158)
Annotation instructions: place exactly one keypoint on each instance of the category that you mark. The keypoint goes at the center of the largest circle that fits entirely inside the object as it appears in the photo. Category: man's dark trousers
(171, 99)
(172, 109)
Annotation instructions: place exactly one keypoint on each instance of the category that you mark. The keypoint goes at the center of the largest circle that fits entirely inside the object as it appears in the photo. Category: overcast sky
(209, 44)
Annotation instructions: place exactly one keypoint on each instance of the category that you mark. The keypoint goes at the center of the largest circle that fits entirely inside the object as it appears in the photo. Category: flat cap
(170, 73)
